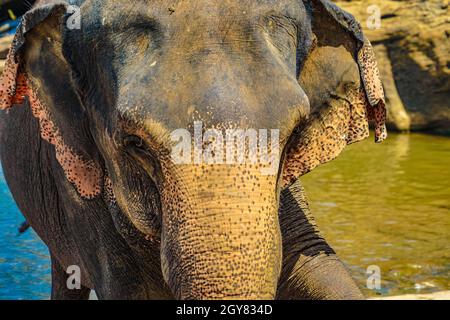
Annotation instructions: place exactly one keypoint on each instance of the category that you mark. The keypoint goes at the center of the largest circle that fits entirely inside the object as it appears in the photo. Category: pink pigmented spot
(376, 107)
(12, 87)
(108, 193)
(84, 174)
(329, 133)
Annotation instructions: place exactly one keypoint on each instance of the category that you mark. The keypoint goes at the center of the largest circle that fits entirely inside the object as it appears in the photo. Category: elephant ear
(341, 79)
(36, 75)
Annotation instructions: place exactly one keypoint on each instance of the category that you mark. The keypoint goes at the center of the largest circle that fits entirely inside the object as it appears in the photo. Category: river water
(24, 259)
(388, 205)
(384, 205)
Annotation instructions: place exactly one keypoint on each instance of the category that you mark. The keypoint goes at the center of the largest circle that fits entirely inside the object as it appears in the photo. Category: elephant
(88, 113)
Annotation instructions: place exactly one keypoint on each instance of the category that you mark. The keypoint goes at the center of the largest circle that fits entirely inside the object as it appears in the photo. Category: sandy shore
(442, 295)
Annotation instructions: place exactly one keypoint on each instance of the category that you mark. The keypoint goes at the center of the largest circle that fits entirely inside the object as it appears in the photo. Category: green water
(388, 205)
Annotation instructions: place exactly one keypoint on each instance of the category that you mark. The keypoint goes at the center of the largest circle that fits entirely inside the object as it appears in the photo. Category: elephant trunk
(221, 236)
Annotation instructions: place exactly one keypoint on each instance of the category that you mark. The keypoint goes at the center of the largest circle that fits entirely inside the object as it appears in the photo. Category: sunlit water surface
(24, 259)
(386, 205)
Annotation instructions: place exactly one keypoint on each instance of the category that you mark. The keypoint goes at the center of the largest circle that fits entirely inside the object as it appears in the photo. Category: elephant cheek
(220, 234)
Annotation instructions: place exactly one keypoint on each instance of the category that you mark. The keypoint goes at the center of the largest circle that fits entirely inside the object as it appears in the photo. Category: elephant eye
(136, 146)
(138, 149)
(133, 142)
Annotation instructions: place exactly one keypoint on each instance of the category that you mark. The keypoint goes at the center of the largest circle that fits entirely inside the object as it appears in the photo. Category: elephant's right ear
(37, 75)
(341, 79)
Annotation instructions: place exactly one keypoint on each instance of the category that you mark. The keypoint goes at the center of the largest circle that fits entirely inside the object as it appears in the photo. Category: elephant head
(111, 95)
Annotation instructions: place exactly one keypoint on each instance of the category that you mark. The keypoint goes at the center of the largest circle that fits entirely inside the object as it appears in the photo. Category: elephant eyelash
(136, 146)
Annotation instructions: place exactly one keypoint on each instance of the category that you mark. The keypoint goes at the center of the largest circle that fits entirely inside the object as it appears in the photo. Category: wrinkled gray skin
(155, 241)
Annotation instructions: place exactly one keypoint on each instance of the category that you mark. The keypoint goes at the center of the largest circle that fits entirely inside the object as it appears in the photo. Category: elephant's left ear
(374, 93)
(370, 76)
(342, 81)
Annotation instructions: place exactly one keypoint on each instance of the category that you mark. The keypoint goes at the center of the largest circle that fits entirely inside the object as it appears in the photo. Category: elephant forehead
(112, 10)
